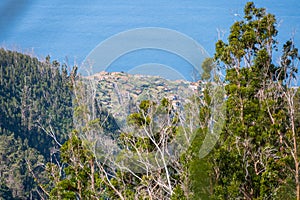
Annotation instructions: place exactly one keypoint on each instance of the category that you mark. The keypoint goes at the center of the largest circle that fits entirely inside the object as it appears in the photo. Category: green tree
(76, 176)
(208, 65)
(198, 169)
(251, 161)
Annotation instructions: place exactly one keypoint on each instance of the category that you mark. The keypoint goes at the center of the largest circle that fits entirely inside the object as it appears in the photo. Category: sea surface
(69, 31)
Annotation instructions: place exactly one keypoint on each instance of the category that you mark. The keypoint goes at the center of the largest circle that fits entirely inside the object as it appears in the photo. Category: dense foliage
(57, 140)
(35, 105)
(254, 159)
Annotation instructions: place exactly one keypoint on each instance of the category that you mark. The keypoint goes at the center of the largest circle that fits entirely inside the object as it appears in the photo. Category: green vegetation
(35, 105)
(60, 136)
(252, 158)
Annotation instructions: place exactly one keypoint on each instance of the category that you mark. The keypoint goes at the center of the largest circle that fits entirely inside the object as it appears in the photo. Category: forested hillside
(35, 105)
(235, 136)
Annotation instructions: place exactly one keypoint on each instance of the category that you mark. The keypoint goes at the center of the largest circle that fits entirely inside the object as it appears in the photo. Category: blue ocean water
(69, 30)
